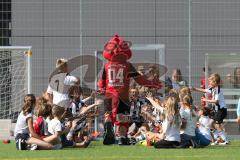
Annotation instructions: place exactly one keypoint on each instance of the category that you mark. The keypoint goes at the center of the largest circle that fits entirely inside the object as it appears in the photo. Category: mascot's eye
(110, 46)
(125, 45)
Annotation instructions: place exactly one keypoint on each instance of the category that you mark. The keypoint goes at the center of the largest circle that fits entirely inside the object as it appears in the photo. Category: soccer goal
(15, 79)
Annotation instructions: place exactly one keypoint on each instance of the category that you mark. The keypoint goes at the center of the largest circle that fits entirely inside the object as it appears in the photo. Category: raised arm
(141, 79)
(89, 98)
(210, 100)
(154, 103)
(198, 89)
(86, 109)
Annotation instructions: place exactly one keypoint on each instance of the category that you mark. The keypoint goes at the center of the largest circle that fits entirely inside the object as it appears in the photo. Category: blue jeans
(201, 139)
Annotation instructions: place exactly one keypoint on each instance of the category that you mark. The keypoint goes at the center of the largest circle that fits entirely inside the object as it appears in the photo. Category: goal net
(15, 79)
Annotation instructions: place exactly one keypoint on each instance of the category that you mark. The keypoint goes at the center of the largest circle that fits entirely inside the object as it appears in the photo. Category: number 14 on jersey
(115, 76)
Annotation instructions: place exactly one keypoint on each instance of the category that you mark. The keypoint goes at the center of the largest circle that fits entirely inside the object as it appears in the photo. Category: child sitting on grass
(170, 126)
(75, 94)
(43, 114)
(169, 137)
(140, 134)
(203, 134)
(43, 110)
(85, 112)
(24, 131)
(189, 119)
(55, 128)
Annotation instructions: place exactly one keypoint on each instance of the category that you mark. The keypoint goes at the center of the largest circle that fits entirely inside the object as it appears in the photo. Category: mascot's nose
(117, 51)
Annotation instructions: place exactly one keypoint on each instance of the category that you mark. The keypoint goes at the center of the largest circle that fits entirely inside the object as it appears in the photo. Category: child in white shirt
(218, 103)
(170, 135)
(189, 119)
(203, 134)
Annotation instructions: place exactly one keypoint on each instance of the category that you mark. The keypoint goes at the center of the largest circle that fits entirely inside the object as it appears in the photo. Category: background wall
(60, 28)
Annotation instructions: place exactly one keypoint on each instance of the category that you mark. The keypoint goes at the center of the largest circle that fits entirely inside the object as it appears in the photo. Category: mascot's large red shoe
(115, 80)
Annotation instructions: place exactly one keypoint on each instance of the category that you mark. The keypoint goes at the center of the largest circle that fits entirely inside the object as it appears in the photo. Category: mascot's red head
(117, 49)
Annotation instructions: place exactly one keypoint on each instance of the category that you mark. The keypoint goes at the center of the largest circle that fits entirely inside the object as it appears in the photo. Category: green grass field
(96, 151)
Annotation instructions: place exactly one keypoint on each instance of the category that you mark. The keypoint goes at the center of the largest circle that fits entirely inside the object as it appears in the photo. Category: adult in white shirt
(177, 80)
(59, 85)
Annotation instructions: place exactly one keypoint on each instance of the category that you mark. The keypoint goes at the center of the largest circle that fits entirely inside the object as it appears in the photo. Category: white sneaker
(33, 147)
(224, 143)
(214, 143)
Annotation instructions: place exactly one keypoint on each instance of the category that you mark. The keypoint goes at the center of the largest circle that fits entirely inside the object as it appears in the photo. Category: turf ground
(96, 151)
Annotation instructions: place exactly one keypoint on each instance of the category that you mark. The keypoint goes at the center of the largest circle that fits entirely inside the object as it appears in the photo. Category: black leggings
(166, 144)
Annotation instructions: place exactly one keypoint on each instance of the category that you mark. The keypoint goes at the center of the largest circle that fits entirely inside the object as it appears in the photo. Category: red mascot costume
(114, 84)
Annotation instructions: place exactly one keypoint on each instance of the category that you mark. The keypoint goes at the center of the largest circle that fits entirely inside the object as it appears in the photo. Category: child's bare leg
(70, 133)
(41, 144)
(83, 144)
(53, 139)
(221, 132)
(80, 145)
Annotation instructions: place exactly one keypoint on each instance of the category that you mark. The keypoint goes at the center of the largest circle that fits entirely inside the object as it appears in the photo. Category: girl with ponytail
(189, 119)
(29, 103)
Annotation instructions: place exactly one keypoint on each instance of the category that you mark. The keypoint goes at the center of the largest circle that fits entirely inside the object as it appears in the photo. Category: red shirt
(116, 79)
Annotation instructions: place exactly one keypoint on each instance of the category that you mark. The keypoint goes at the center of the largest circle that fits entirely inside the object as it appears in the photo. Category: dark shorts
(21, 141)
(186, 140)
(220, 115)
(123, 107)
(65, 142)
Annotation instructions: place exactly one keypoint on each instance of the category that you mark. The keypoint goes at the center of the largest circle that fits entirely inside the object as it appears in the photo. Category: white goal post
(15, 78)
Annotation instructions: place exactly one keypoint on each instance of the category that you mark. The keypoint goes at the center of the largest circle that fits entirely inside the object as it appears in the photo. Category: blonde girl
(170, 136)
